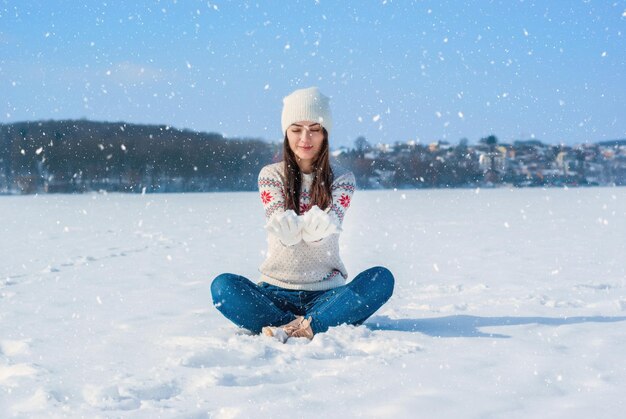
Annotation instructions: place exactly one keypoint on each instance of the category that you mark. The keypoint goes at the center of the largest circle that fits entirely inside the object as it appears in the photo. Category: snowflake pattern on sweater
(306, 266)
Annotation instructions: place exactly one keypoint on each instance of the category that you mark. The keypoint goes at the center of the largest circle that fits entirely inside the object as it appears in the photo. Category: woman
(302, 288)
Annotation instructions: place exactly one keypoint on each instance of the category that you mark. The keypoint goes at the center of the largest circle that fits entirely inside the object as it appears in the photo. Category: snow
(508, 303)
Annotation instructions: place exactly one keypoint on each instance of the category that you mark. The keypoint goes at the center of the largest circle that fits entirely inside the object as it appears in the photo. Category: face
(305, 140)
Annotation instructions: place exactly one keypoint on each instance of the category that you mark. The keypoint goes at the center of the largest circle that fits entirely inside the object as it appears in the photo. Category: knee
(377, 281)
(220, 286)
(384, 280)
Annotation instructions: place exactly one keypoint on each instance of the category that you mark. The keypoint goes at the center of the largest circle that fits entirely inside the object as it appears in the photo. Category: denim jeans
(253, 306)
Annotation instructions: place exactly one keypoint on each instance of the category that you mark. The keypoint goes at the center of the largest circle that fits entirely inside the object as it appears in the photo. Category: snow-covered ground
(508, 303)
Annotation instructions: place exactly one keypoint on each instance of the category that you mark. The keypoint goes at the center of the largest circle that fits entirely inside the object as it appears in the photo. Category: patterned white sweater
(304, 266)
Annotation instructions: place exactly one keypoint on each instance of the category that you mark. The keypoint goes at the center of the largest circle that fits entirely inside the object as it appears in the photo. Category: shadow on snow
(468, 326)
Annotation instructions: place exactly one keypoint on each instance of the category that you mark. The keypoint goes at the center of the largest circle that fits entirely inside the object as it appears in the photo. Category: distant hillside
(613, 143)
(78, 155)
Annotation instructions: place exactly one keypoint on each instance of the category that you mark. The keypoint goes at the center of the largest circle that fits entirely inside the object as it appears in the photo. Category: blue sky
(395, 70)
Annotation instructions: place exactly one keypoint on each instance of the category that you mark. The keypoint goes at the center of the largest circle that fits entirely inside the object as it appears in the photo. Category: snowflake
(344, 201)
(266, 197)
(304, 208)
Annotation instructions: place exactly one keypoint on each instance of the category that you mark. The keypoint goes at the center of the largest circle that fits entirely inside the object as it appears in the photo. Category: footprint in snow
(129, 396)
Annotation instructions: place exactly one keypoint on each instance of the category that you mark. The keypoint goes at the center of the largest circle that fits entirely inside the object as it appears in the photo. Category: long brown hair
(322, 177)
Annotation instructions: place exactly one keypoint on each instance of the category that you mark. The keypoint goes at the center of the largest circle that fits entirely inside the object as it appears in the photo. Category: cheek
(292, 143)
(318, 144)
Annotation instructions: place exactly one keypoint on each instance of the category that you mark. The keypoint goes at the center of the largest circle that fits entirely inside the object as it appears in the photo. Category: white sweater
(304, 266)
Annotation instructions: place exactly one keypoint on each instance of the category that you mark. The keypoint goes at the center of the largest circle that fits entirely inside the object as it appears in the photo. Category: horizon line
(278, 141)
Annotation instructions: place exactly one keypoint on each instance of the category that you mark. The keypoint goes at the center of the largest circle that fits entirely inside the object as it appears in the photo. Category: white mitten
(287, 226)
(317, 225)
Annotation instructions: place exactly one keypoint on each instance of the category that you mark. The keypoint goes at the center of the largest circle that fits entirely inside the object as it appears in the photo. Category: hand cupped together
(313, 226)
(317, 225)
(287, 226)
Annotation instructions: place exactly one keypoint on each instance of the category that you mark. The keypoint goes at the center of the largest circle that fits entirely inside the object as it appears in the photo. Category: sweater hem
(325, 285)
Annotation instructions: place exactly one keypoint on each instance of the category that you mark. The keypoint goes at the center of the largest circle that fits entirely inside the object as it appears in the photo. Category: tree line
(80, 156)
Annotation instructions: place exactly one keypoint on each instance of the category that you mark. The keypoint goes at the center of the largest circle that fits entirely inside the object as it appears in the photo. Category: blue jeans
(253, 306)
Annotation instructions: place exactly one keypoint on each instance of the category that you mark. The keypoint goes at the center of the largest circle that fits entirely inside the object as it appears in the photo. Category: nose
(305, 134)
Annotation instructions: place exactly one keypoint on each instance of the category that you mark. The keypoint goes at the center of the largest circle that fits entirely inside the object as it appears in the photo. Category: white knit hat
(307, 105)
